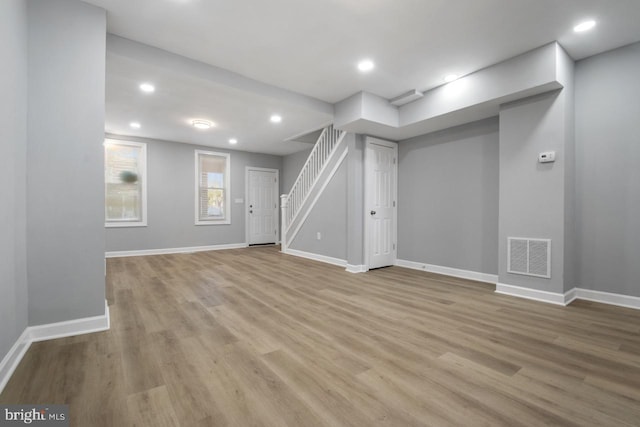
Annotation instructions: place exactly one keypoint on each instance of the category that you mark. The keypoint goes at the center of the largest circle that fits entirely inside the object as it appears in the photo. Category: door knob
(373, 212)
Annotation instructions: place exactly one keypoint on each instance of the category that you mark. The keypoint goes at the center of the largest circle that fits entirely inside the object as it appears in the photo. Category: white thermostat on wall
(547, 157)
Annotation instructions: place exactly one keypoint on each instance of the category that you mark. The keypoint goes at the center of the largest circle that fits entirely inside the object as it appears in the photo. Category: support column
(536, 199)
(355, 203)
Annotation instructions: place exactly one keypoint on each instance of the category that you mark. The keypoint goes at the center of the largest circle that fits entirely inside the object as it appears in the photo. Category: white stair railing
(292, 203)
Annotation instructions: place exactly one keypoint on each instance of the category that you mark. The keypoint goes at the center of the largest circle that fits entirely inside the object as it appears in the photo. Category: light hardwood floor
(251, 337)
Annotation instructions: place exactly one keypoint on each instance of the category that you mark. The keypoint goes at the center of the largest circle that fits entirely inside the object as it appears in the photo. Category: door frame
(366, 187)
(246, 200)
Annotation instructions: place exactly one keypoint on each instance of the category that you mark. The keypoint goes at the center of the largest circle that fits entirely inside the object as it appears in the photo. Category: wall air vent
(531, 257)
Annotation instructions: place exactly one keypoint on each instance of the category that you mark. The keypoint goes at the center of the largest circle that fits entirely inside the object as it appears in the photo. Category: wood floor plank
(151, 407)
(253, 337)
(185, 384)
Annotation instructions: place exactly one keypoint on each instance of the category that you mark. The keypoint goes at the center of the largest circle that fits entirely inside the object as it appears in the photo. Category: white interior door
(380, 202)
(262, 206)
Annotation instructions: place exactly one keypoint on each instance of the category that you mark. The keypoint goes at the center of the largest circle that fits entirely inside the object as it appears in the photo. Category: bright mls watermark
(34, 415)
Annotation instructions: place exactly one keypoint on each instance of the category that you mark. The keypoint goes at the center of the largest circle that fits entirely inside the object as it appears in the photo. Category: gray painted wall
(65, 199)
(448, 198)
(171, 200)
(329, 217)
(13, 143)
(291, 167)
(338, 215)
(532, 195)
(608, 171)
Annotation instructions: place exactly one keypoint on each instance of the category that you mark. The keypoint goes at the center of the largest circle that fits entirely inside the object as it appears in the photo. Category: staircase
(298, 202)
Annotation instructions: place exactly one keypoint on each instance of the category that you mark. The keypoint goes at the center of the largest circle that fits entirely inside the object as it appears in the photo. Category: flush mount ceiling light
(233, 141)
(451, 78)
(135, 125)
(147, 88)
(584, 26)
(366, 65)
(201, 124)
(275, 118)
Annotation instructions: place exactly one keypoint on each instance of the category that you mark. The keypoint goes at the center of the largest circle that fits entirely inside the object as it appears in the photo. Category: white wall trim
(317, 257)
(166, 251)
(356, 268)
(49, 331)
(568, 297)
(276, 194)
(367, 185)
(142, 167)
(70, 328)
(227, 188)
(608, 298)
(448, 271)
(534, 294)
(11, 361)
(518, 291)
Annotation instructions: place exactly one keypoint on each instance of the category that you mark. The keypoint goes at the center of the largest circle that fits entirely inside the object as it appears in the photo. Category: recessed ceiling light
(366, 65)
(147, 87)
(202, 124)
(451, 77)
(584, 26)
(135, 125)
(233, 141)
(275, 118)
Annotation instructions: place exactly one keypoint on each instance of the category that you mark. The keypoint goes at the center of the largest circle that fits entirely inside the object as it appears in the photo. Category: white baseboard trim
(608, 298)
(536, 295)
(570, 296)
(521, 292)
(49, 331)
(167, 251)
(356, 268)
(317, 257)
(448, 271)
(11, 361)
(71, 328)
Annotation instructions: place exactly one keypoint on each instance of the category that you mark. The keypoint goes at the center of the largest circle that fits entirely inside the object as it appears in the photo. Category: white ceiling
(181, 98)
(312, 46)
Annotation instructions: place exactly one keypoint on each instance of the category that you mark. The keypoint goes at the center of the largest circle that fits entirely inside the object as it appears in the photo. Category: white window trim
(143, 189)
(227, 186)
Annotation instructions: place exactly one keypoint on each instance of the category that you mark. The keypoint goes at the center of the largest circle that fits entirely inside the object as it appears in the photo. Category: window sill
(125, 224)
(226, 222)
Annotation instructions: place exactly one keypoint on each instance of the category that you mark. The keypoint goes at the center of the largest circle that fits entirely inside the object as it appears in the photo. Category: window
(125, 183)
(212, 188)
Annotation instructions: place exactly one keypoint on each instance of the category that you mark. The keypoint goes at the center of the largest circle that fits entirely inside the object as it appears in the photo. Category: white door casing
(380, 202)
(262, 201)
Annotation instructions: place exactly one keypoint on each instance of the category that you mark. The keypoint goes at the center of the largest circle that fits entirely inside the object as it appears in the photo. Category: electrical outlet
(547, 157)
(319, 236)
